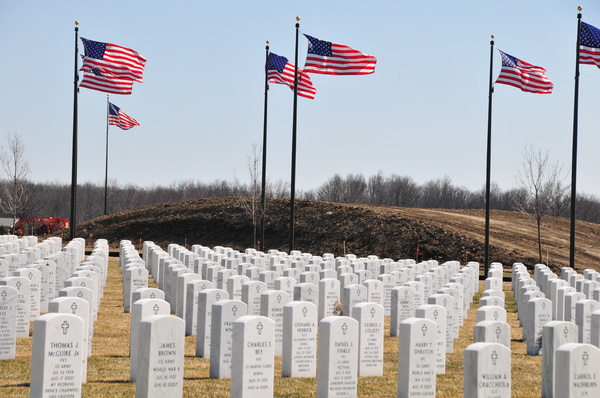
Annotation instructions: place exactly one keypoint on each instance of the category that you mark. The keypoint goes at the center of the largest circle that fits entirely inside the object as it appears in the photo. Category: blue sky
(423, 113)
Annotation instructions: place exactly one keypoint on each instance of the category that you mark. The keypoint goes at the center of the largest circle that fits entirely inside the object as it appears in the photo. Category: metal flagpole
(488, 165)
(294, 118)
(73, 220)
(263, 199)
(106, 169)
(574, 155)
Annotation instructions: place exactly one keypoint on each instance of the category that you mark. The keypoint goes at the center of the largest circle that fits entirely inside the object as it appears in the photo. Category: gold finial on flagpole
(579, 8)
(268, 41)
(76, 22)
(297, 18)
(492, 36)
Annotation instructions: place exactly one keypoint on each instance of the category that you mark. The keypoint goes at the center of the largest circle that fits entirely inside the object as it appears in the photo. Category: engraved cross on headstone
(373, 312)
(344, 328)
(435, 314)
(304, 311)
(566, 332)
(585, 358)
(152, 295)
(496, 315)
(234, 310)
(259, 328)
(156, 308)
(65, 327)
(74, 308)
(498, 331)
(494, 357)
(3, 295)
(424, 329)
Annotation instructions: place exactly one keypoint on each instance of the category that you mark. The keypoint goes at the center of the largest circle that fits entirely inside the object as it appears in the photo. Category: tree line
(52, 199)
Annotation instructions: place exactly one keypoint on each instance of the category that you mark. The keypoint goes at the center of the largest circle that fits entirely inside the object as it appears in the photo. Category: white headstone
(487, 370)
(252, 368)
(8, 321)
(577, 371)
(224, 313)
(416, 358)
(56, 356)
(370, 317)
(206, 299)
(337, 357)
(160, 360)
(554, 334)
(299, 354)
(141, 309)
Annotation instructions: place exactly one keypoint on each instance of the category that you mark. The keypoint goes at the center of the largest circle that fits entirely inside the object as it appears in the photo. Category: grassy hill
(323, 227)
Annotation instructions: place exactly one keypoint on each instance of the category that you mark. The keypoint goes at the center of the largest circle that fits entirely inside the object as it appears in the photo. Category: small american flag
(280, 71)
(111, 59)
(116, 117)
(336, 59)
(523, 75)
(96, 80)
(589, 45)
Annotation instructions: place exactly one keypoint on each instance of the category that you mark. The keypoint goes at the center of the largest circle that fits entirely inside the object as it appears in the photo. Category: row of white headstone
(277, 305)
(54, 281)
(561, 321)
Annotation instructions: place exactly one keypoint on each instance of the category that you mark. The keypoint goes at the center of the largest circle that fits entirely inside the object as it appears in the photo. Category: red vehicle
(40, 226)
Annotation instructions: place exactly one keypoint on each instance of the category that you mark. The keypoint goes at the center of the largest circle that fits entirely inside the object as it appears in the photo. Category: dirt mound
(323, 227)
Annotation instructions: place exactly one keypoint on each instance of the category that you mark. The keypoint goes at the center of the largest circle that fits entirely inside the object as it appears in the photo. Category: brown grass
(108, 368)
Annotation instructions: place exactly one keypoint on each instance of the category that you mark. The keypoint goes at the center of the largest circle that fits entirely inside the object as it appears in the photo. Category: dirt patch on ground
(323, 227)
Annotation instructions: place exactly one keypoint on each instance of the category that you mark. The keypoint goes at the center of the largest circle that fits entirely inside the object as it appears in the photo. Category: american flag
(337, 59)
(96, 80)
(111, 59)
(589, 45)
(523, 75)
(280, 71)
(116, 117)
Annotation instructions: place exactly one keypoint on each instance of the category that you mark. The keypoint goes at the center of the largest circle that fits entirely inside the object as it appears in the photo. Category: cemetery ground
(108, 367)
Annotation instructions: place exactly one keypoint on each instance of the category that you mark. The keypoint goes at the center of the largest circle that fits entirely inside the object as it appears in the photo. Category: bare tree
(15, 192)
(249, 196)
(543, 187)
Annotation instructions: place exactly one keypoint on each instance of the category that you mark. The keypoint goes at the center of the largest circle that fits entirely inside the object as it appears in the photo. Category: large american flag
(336, 59)
(96, 80)
(589, 45)
(116, 117)
(523, 75)
(111, 59)
(280, 71)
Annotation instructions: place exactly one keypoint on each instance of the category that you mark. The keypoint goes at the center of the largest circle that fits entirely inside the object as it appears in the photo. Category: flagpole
(294, 118)
(488, 164)
(106, 168)
(73, 220)
(261, 245)
(574, 155)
